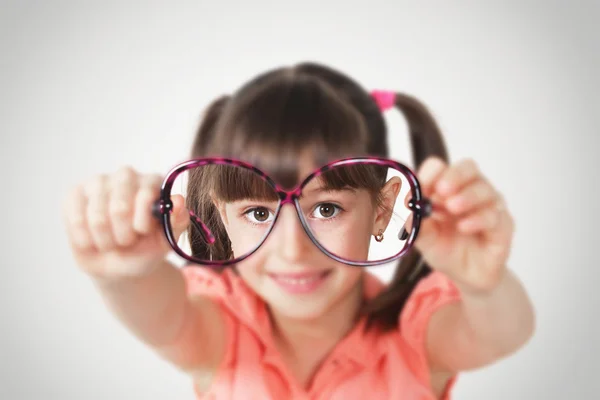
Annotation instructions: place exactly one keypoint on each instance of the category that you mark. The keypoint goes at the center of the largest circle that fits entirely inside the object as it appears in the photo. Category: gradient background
(86, 88)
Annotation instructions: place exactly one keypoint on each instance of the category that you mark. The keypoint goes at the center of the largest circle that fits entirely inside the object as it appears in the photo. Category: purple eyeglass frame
(162, 208)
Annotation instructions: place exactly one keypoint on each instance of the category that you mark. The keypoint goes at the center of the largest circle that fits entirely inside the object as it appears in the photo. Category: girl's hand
(468, 236)
(111, 229)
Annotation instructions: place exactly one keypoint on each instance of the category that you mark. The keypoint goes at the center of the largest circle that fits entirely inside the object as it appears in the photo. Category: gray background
(88, 87)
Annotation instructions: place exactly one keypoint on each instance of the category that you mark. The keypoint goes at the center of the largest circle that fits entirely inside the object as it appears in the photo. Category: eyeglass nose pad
(403, 234)
(206, 234)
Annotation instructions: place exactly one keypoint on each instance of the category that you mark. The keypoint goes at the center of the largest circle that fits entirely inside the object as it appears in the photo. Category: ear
(383, 214)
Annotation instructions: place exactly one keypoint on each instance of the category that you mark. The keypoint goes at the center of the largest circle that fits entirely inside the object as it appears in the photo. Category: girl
(282, 318)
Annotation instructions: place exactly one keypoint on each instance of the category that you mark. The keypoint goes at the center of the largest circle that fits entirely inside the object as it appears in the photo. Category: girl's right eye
(259, 215)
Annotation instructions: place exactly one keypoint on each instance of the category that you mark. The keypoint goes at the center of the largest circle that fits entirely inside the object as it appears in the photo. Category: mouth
(300, 283)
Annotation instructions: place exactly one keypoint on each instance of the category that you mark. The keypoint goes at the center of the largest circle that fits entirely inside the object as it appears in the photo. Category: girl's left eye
(325, 211)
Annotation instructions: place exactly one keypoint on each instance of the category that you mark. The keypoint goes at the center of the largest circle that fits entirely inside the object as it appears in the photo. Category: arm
(481, 328)
(117, 242)
(189, 332)
(469, 239)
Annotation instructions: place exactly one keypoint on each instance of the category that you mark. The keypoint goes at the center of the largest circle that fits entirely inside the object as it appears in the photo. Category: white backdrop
(87, 88)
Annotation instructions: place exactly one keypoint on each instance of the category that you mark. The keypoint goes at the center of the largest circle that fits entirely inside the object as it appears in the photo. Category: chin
(298, 309)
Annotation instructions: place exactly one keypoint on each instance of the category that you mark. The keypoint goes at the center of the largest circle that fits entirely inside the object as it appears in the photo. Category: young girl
(287, 320)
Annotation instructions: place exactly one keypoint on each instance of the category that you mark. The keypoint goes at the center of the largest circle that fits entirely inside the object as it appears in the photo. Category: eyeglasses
(360, 211)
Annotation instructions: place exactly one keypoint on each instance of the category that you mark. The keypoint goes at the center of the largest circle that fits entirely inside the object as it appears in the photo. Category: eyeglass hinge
(161, 207)
(424, 207)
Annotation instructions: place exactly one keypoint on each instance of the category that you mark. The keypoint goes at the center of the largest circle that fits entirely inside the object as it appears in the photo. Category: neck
(319, 334)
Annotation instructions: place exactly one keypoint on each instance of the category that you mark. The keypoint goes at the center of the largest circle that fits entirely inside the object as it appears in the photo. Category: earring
(379, 236)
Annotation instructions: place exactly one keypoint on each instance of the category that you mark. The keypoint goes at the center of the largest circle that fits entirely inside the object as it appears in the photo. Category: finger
(429, 231)
(148, 192)
(499, 239)
(429, 173)
(480, 220)
(457, 176)
(74, 212)
(124, 186)
(97, 213)
(473, 196)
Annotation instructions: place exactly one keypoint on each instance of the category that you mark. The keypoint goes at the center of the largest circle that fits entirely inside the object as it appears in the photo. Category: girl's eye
(326, 211)
(259, 215)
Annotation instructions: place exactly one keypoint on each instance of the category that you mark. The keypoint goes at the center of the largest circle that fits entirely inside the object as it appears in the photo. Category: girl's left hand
(468, 236)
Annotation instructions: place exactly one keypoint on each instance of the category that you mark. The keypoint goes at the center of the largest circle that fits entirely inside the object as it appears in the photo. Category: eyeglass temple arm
(161, 207)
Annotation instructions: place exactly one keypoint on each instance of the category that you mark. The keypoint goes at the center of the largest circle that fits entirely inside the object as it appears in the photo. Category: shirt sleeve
(204, 282)
(429, 295)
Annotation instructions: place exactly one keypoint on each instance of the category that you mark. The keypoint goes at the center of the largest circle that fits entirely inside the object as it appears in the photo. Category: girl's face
(288, 271)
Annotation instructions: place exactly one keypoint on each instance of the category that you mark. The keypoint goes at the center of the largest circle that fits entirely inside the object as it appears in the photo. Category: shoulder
(240, 304)
(245, 318)
(203, 281)
(430, 294)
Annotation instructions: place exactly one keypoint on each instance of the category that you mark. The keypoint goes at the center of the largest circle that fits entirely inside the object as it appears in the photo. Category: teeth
(301, 281)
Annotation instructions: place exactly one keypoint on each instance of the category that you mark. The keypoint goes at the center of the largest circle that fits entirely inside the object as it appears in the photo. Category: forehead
(307, 165)
(290, 174)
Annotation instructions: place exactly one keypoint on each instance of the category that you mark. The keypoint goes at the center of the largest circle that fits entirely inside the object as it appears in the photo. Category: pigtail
(206, 130)
(199, 186)
(426, 141)
(425, 136)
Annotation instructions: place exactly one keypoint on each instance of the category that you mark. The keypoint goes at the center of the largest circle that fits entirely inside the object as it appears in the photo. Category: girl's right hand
(110, 225)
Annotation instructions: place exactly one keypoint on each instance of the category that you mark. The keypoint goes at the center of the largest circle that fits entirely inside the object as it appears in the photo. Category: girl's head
(288, 122)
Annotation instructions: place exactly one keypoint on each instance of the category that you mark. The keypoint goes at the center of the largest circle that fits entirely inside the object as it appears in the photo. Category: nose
(291, 241)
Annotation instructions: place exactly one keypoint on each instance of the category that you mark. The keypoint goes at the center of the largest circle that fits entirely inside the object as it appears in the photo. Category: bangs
(361, 176)
(231, 183)
(273, 121)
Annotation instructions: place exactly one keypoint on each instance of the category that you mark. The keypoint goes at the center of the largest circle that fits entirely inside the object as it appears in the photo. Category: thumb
(429, 173)
(427, 235)
(180, 219)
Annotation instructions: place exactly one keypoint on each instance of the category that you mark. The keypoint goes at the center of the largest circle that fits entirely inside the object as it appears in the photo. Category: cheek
(249, 271)
(349, 238)
(351, 275)
(244, 237)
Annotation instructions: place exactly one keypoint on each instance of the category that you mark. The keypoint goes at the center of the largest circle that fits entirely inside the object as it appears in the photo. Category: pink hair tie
(384, 99)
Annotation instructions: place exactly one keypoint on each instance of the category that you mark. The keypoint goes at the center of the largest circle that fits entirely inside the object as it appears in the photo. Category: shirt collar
(358, 346)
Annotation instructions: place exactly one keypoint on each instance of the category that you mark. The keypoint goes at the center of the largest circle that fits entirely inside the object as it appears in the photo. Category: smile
(302, 282)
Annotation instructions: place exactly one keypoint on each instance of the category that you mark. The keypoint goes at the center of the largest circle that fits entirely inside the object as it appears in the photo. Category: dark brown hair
(309, 107)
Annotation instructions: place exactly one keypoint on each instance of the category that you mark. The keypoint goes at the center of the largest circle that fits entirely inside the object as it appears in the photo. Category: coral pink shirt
(362, 365)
